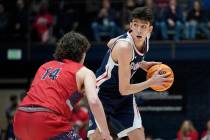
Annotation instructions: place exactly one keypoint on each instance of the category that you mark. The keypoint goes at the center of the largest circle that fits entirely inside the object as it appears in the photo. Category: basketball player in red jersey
(45, 112)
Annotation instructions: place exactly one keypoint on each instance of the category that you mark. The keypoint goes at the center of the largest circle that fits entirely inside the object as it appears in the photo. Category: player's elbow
(94, 102)
(124, 88)
(123, 91)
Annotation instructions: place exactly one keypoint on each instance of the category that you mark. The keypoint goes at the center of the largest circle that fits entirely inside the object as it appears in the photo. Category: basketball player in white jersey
(114, 77)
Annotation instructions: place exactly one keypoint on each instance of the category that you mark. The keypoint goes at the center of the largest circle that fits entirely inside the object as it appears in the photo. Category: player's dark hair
(142, 13)
(71, 46)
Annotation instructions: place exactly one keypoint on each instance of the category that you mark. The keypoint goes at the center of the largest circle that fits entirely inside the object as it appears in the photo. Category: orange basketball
(164, 69)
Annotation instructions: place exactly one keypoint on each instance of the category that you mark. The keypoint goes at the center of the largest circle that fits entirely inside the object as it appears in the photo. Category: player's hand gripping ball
(164, 69)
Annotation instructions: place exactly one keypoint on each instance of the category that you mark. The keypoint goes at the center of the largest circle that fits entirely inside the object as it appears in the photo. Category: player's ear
(150, 28)
(130, 25)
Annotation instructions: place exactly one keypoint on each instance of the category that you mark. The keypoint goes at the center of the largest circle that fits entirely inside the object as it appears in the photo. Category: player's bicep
(86, 80)
(124, 72)
(90, 85)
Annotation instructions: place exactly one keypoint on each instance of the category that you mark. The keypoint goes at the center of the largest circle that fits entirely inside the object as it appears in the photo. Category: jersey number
(51, 73)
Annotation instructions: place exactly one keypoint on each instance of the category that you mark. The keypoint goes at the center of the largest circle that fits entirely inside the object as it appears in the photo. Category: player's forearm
(98, 112)
(135, 88)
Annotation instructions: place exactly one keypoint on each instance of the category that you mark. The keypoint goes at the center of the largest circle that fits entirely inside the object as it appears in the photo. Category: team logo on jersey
(134, 66)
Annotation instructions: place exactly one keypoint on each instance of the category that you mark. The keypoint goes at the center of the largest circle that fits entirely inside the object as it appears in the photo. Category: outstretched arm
(94, 102)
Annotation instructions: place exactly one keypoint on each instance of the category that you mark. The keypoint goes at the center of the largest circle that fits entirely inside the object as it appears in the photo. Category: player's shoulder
(123, 45)
(47, 64)
(85, 71)
(51, 62)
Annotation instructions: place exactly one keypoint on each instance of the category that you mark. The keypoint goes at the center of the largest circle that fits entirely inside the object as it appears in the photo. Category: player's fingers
(167, 79)
(158, 71)
(155, 63)
(166, 74)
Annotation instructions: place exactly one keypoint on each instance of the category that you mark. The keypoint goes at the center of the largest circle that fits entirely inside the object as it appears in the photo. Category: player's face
(140, 29)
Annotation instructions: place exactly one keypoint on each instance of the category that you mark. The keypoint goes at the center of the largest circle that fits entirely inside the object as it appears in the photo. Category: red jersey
(193, 135)
(55, 87)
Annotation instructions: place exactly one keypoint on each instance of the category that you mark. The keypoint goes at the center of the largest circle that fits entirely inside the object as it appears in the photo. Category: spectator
(157, 14)
(206, 4)
(194, 17)
(35, 6)
(129, 6)
(67, 19)
(9, 115)
(43, 24)
(161, 3)
(173, 18)
(187, 131)
(20, 21)
(105, 26)
(3, 22)
(205, 135)
(205, 26)
(140, 3)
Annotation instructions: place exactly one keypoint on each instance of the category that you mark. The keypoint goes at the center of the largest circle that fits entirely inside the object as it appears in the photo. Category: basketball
(164, 69)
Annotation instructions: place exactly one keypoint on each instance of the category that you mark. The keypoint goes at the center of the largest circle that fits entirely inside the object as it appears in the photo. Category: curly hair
(71, 46)
(142, 13)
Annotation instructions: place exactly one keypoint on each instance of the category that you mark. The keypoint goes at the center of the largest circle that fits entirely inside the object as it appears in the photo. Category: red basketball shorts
(39, 125)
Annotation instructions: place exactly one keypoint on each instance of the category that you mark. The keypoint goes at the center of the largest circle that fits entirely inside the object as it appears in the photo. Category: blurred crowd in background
(47, 20)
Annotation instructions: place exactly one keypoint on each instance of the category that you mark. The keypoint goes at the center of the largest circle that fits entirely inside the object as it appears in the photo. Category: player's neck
(139, 44)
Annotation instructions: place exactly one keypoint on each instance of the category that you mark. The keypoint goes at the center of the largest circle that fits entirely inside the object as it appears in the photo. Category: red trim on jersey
(102, 77)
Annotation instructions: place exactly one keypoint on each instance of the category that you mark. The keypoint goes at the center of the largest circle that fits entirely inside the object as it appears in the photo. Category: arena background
(22, 51)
